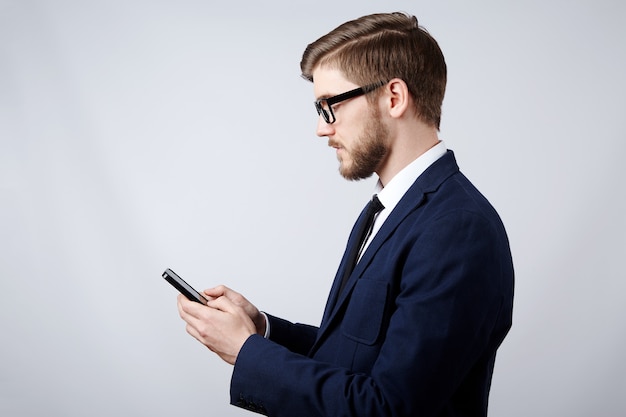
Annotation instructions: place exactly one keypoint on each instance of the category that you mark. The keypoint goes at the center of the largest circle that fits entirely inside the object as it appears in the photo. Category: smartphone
(184, 288)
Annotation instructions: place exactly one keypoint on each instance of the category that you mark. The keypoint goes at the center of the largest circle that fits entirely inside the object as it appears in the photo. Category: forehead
(328, 82)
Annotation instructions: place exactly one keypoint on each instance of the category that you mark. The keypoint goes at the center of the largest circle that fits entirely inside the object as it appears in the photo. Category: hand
(255, 315)
(221, 325)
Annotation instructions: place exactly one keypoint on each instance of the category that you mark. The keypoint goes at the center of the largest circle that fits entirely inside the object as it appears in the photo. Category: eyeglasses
(324, 106)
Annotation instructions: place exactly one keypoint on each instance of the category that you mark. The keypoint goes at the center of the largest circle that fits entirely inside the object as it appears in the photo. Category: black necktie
(363, 232)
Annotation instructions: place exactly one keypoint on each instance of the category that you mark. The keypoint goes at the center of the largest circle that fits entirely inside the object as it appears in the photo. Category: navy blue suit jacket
(415, 331)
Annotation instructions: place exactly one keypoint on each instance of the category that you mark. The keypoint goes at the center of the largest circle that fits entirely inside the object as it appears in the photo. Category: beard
(368, 151)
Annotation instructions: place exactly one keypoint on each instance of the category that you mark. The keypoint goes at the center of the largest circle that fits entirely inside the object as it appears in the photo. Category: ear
(397, 98)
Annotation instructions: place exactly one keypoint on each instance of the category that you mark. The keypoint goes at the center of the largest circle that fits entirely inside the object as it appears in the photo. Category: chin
(353, 175)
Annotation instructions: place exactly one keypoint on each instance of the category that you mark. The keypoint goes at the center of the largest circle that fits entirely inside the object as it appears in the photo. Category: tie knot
(374, 205)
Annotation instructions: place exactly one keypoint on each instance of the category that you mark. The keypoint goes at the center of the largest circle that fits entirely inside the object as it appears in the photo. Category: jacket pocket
(366, 309)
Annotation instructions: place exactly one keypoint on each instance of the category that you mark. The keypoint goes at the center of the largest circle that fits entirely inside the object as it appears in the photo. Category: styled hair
(380, 47)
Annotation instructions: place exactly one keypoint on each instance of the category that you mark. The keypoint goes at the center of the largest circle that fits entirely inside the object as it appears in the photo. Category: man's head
(381, 47)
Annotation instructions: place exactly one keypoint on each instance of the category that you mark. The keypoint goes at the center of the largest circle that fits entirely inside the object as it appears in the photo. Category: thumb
(216, 292)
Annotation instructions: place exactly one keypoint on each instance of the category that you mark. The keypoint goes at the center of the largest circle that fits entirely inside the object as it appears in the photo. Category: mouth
(334, 144)
(339, 150)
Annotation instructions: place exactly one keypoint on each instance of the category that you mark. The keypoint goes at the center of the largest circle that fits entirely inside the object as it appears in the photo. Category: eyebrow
(330, 94)
(324, 96)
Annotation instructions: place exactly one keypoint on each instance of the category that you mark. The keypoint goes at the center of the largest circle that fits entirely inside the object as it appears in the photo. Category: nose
(323, 128)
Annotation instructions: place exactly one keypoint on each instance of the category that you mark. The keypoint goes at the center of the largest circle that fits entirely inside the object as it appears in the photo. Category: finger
(223, 291)
(223, 303)
(179, 305)
(187, 308)
(208, 296)
(218, 291)
(201, 326)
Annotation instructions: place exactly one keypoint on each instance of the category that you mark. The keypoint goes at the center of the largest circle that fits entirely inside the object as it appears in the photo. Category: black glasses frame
(327, 113)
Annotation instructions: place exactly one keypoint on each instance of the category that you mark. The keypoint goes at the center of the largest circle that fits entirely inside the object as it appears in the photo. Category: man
(412, 329)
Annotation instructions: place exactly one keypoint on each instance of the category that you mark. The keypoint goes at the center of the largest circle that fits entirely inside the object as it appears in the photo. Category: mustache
(333, 143)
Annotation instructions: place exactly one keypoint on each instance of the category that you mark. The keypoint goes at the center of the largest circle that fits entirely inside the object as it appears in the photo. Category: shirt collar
(391, 194)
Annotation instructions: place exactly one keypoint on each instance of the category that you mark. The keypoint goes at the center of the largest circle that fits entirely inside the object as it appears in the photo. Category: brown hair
(380, 47)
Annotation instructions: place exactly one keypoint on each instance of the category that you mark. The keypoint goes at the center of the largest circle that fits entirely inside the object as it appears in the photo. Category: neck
(406, 147)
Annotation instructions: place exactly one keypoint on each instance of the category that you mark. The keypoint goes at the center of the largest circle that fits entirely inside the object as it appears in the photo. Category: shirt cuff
(267, 326)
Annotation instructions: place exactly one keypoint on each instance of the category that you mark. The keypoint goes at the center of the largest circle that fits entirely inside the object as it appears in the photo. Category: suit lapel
(387, 229)
(334, 292)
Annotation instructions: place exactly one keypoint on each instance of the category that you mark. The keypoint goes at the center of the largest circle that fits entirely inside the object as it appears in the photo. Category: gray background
(136, 135)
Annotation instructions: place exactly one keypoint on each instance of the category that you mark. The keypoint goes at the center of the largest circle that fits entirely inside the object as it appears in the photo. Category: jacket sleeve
(296, 337)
